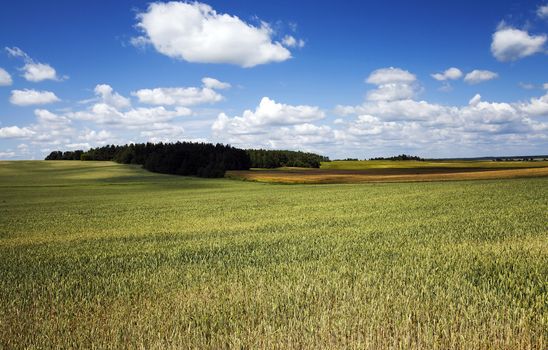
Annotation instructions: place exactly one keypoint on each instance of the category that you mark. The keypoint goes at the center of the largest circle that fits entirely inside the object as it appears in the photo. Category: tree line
(180, 158)
(68, 155)
(399, 157)
(261, 158)
(192, 159)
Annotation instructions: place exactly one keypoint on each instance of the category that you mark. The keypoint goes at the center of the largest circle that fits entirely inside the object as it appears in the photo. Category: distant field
(103, 255)
(396, 171)
(411, 164)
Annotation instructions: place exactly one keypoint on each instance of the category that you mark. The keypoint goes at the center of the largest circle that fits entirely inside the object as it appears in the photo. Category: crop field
(412, 164)
(396, 171)
(103, 255)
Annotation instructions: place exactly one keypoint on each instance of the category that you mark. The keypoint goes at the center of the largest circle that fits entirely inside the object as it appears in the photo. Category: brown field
(318, 176)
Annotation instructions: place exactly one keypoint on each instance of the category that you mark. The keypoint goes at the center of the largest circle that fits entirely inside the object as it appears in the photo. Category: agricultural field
(104, 255)
(396, 171)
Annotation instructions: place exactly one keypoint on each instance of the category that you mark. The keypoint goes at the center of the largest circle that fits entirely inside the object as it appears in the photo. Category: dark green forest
(261, 158)
(180, 158)
(192, 159)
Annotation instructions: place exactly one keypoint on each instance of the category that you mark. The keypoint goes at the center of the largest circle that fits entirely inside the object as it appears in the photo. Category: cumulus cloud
(95, 136)
(71, 129)
(55, 121)
(449, 74)
(511, 44)
(15, 132)
(195, 32)
(183, 96)
(30, 97)
(163, 132)
(34, 71)
(409, 125)
(5, 78)
(268, 113)
(390, 75)
(177, 96)
(392, 84)
(537, 106)
(109, 97)
(478, 76)
(102, 113)
(275, 125)
(213, 83)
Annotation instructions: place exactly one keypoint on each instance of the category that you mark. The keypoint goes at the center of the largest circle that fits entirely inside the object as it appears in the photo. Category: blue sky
(346, 79)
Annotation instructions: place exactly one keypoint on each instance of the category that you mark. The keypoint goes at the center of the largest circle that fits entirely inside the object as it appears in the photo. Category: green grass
(408, 164)
(96, 254)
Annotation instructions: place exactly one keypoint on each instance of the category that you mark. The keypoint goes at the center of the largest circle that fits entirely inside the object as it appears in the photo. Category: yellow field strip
(329, 177)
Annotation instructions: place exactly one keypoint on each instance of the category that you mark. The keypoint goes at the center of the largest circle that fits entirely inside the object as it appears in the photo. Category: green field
(97, 254)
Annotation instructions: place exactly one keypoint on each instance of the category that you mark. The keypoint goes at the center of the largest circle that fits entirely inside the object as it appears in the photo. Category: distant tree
(55, 155)
(68, 155)
(182, 158)
(261, 158)
(399, 157)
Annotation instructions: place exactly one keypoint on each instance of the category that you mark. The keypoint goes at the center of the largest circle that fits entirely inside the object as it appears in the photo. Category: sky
(354, 79)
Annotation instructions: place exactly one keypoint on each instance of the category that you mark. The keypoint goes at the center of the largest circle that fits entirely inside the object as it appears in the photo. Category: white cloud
(195, 32)
(45, 117)
(408, 125)
(5, 78)
(436, 129)
(95, 136)
(510, 44)
(77, 146)
(392, 84)
(475, 100)
(15, 132)
(110, 108)
(542, 11)
(183, 96)
(111, 98)
(163, 132)
(212, 83)
(406, 109)
(29, 97)
(268, 113)
(392, 92)
(177, 96)
(477, 76)
(5, 155)
(449, 74)
(536, 106)
(291, 41)
(391, 75)
(276, 126)
(34, 71)
(51, 128)
(102, 113)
